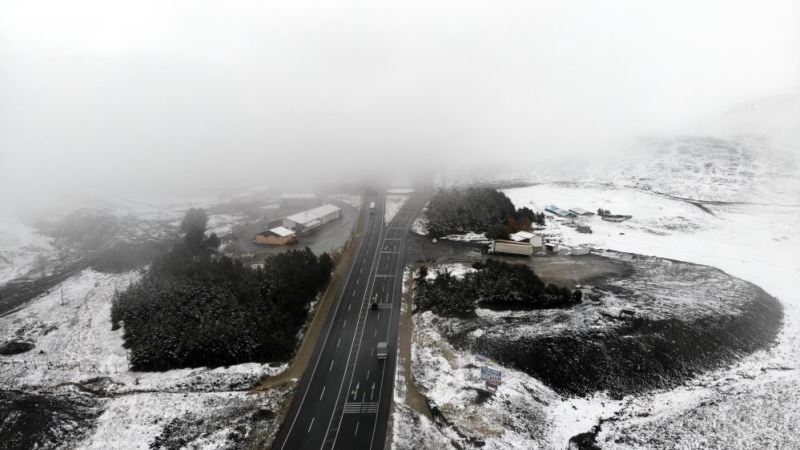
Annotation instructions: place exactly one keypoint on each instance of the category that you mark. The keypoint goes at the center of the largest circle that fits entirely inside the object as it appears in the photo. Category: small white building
(313, 218)
(535, 240)
(521, 236)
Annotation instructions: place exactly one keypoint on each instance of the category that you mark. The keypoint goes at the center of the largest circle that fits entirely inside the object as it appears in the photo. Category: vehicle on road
(383, 350)
(372, 207)
(374, 306)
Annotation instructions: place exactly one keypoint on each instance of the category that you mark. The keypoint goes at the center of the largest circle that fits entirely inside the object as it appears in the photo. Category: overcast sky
(183, 96)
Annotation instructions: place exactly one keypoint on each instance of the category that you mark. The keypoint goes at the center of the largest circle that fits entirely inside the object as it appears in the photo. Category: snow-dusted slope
(745, 169)
(22, 249)
(751, 193)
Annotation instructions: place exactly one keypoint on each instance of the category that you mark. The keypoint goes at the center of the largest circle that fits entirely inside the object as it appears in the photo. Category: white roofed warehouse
(305, 221)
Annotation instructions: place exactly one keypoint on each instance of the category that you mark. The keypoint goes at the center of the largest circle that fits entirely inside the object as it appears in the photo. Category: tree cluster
(495, 284)
(477, 209)
(194, 307)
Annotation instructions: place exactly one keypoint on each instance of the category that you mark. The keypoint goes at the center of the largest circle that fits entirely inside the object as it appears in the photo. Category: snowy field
(22, 249)
(754, 242)
(757, 243)
(74, 344)
(522, 414)
(393, 204)
(222, 224)
(749, 231)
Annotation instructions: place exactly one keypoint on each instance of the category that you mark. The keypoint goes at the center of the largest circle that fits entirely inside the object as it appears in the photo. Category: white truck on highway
(372, 207)
(383, 350)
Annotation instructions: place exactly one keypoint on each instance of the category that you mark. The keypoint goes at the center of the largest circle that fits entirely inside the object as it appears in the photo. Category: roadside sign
(480, 357)
(488, 372)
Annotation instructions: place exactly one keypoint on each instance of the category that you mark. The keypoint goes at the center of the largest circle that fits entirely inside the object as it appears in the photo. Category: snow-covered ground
(393, 204)
(522, 414)
(22, 249)
(222, 224)
(749, 231)
(74, 343)
(186, 420)
(757, 243)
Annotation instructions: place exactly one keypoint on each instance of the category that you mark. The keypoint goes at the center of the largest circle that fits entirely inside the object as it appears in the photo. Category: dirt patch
(44, 420)
(413, 398)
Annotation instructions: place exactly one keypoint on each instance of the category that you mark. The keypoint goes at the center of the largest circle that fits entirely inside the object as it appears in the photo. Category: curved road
(344, 397)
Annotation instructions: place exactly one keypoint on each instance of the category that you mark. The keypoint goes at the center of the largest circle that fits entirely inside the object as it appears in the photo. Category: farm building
(535, 240)
(553, 209)
(313, 218)
(580, 212)
(276, 236)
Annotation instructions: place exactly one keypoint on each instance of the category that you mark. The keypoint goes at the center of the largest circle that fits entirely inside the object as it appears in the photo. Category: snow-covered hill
(728, 202)
(704, 168)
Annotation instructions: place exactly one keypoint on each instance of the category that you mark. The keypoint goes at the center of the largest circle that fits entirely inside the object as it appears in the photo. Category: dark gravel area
(44, 420)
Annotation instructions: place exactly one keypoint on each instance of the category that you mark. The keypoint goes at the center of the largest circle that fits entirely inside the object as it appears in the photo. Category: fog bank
(102, 99)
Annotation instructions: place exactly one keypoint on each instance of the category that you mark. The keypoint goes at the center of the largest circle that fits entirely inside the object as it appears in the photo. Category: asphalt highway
(344, 397)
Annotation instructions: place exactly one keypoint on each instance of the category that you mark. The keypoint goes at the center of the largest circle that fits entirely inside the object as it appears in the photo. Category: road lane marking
(331, 369)
(338, 342)
(349, 305)
(368, 378)
(358, 254)
(358, 336)
(310, 425)
(323, 391)
(356, 432)
(345, 323)
(376, 332)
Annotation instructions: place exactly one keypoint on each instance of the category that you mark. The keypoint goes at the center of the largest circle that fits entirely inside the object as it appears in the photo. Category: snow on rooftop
(282, 231)
(521, 236)
(579, 211)
(313, 214)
